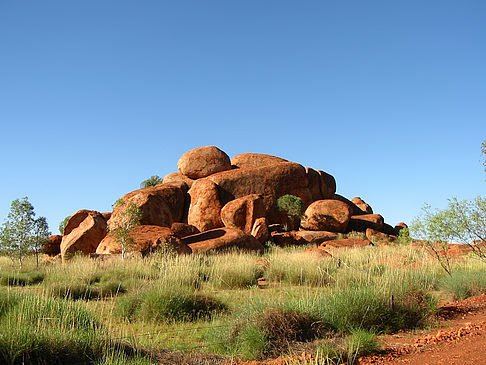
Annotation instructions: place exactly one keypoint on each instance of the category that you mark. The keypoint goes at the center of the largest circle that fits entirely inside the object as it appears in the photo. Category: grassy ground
(210, 309)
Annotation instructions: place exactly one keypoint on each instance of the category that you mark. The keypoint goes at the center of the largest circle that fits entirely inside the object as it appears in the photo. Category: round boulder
(327, 215)
(203, 161)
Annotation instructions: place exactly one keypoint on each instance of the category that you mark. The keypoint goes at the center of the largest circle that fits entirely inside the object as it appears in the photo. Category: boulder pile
(213, 203)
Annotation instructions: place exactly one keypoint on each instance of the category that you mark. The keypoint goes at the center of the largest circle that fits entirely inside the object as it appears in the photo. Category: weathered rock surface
(84, 231)
(182, 230)
(205, 209)
(245, 160)
(203, 161)
(361, 204)
(327, 215)
(260, 230)
(161, 205)
(328, 185)
(177, 177)
(346, 243)
(355, 209)
(272, 181)
(52, 246)
(314, 183)
(284, 239)
(387, 229)
(316, 237)
(242, 213)
(147, 239)
(222, 239)
(377, 236)
(361, 223)
(317, 251)
(106, 216)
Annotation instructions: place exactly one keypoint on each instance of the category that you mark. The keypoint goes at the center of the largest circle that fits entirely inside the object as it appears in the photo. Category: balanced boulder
(245, 160)
(146, 239)
(222, 239)
(205, 209)
(327, 215)
(84, 231)
(242, 212)
(203, 161)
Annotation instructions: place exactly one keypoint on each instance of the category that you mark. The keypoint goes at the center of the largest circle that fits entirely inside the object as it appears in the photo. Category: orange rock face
(361, 223)
(52, 246)
(354, 208)
(205, 209)
(175, 177)
(161, 205)
(241, 213)
(377, 236)
(260, 230)
(203, 161)
(84, 231)
(328, 185)
(327, 215)
(182, 230)
(284, 239)
(346, 243)
(316, 237)
(222, 239)
(314, 183)
(147, 239)
(361, 204)
(245, 160)
(271, 182)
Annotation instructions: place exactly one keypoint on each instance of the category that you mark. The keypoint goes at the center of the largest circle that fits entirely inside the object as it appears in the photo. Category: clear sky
(387, 96)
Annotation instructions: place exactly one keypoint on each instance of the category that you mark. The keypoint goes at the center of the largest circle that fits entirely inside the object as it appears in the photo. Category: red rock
(175, 177)
(260, 230)
(205, 208)
(271, 181)
(106, 216)
(399, 227)
(314, 183)
(346, 243)
(203, 161)
(327, 215)
(328, 185)
(387, 229)
(245, 160)
(182, 230)
(354, 207)
(284, 239)
(242, 212)
(316, 237)
(161, 205)
(361, 204)
(222, 239)
(362, 222)
(52, 246)
(317, 251)
(147, 239)
(84, 231)
(377, 236)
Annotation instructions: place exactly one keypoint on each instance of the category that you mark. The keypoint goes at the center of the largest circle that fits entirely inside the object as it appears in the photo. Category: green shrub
(21, 278)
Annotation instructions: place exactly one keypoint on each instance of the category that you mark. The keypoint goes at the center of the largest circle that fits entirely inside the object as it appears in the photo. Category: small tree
(62, 225)
(18, 233)
(129, 218)
(40, 233)
(151, 181)
(292, 205)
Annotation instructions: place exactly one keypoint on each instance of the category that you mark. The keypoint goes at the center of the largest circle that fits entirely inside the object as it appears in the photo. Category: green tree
(151, 181)
(62, 225)
(293, 206)
(40, 233)
(19, 231)
(483, 152)
(128, 219)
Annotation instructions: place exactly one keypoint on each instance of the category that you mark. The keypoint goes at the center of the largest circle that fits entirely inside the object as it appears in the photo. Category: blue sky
(387, 96)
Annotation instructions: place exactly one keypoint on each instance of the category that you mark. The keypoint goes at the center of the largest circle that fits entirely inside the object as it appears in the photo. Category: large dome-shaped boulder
(272, 182)
(83, 232)
(245, 160)
(161, 205)
(222, 239)
(242, 212)
(205, 209)
(203, 161)
(146, 239)
(327, 215)
(52, 245)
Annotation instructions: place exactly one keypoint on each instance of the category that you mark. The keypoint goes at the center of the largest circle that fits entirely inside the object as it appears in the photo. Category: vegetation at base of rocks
(293, 206)
(214, 304)
(129, 218)
(151, 181)
(63, 223)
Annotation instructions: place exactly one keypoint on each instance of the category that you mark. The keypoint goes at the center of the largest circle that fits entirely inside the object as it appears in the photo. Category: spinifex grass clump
(464, 284)
(21, 278)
